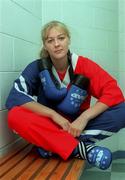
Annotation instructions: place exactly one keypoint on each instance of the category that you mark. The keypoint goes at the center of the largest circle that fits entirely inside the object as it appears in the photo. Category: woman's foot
(44, 153)
(100, 157)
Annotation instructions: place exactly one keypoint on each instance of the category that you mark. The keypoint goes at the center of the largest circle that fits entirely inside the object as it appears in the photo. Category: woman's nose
(56, 43)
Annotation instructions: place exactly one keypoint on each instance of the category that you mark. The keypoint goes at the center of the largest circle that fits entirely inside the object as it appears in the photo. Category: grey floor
(115, 172)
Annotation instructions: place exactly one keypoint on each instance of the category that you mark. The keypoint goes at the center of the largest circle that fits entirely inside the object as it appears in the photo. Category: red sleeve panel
(102, 85)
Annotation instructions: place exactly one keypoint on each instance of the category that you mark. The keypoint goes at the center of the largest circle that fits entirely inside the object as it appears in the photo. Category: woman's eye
(61, 38)
(49, 41)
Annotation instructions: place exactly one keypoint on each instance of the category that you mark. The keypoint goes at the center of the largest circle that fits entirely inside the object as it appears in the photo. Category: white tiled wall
(20, 25)
(122, 43)
(121, 141)
(94, 29)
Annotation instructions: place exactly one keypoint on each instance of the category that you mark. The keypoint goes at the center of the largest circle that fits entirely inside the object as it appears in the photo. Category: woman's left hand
(77, 126)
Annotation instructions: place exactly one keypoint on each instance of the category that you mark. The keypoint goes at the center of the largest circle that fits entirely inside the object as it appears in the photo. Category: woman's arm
(80, 123)
(103, 87)
(48, 112)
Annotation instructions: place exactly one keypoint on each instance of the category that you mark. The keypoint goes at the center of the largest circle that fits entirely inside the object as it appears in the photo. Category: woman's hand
(61, 121)
(80, 123)
(48, 112)
(77, 127)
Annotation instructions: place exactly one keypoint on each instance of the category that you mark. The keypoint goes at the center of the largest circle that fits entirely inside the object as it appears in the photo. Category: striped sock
(82, 150)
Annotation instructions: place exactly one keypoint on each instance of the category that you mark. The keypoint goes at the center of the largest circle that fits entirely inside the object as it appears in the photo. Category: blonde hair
(44, 32)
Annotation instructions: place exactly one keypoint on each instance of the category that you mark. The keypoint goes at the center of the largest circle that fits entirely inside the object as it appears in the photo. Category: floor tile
(91, 175)
(118, 167)
(119, 161)
(117, 176)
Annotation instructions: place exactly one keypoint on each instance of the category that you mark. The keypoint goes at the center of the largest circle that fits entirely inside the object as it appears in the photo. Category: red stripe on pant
(41, 131)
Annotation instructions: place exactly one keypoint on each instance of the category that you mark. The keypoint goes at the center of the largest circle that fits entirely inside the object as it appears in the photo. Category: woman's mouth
(58, 51)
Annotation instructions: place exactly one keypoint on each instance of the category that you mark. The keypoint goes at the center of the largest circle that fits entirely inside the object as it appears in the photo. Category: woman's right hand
(61, 121)
(45, 111)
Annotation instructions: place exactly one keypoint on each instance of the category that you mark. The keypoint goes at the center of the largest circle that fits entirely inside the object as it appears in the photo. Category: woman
(49, 104)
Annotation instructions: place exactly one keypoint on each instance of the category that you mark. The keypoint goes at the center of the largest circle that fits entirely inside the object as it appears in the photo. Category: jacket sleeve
(102, 85)
(25, 87)
(105, 88)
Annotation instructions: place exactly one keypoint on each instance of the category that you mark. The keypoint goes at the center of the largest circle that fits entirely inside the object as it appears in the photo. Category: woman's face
(57, 43)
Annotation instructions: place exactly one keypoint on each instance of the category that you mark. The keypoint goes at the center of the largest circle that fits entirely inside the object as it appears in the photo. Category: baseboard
(118, 154)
